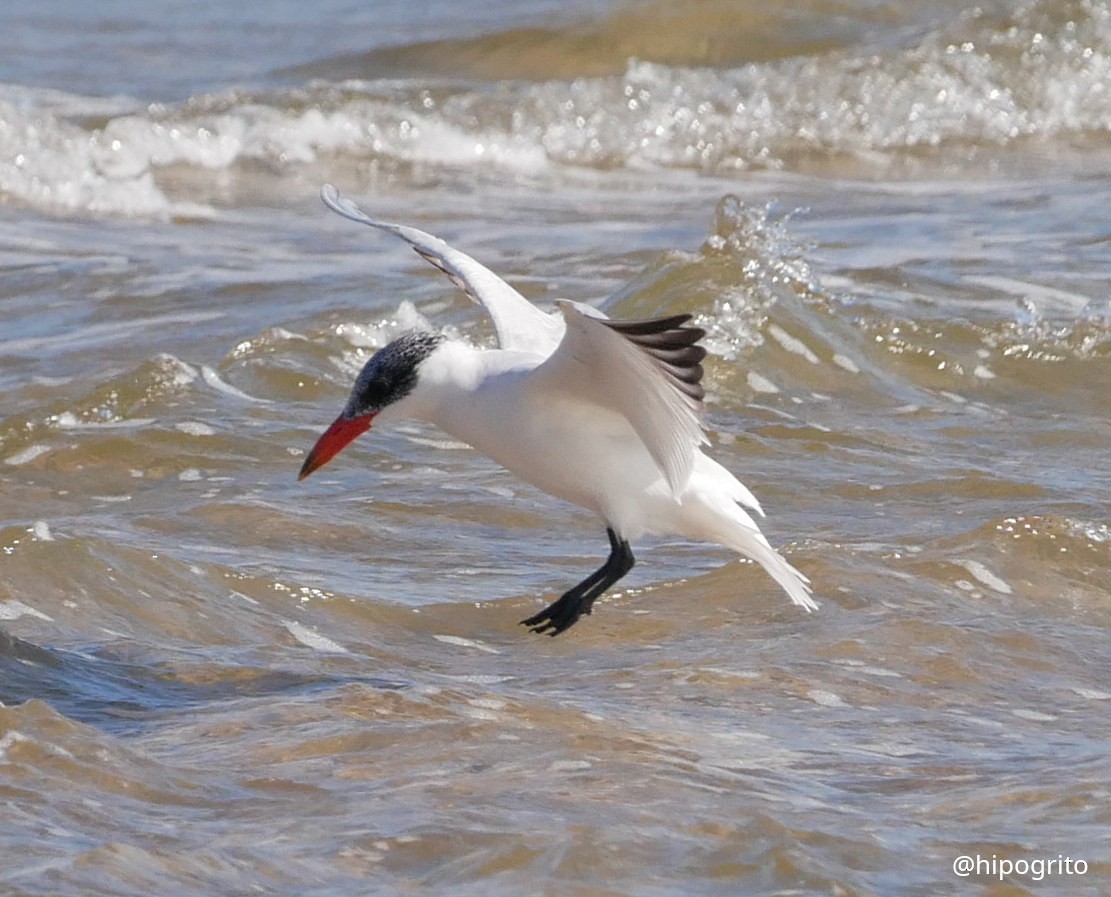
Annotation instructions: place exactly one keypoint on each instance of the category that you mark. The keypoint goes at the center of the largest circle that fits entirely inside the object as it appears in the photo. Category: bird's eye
(376, 392)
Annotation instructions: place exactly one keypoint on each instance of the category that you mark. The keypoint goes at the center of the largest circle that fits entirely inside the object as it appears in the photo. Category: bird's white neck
(450, 380)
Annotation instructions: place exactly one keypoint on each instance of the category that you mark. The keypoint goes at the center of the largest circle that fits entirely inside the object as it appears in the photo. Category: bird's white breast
(574, 450)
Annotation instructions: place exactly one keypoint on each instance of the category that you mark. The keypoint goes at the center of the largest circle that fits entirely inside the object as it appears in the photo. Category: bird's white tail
(719, 518)
(752, 544)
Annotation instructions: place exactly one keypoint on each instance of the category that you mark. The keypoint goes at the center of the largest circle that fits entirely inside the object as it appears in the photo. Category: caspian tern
(602, 413)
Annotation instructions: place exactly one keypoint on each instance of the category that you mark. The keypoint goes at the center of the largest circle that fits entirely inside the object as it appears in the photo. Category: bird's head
(386, 380)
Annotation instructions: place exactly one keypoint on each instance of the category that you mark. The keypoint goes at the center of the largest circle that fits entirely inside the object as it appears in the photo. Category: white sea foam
(27, 455)
(13, 610)
(312, 639)
(213, 379)
(971, 83)
(194, 428)
(985, 576)
(461, 642)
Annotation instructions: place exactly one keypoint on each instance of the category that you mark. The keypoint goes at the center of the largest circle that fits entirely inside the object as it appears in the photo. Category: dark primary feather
(672, 347)
(454, 276)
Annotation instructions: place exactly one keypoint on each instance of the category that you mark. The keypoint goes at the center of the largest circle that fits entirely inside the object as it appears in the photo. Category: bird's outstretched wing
(519, 324)
(648, 371)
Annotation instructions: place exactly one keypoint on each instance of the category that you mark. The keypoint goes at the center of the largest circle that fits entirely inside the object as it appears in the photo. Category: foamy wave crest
(49, 163)
(983, 83)
(298, 127)
(158, 161)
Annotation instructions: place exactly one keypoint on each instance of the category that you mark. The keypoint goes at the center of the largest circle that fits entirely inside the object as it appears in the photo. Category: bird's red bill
(332, 441)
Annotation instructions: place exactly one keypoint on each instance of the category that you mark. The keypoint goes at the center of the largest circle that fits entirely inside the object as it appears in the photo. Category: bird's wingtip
(341, 205)
(333, 199)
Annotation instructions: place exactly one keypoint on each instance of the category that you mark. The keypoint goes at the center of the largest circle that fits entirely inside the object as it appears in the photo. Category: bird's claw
(559, 616)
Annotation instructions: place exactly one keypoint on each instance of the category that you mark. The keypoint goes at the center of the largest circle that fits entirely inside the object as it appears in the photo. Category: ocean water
(892, 220)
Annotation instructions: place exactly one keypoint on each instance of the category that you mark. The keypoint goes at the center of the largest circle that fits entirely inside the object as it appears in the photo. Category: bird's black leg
(562, 614)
